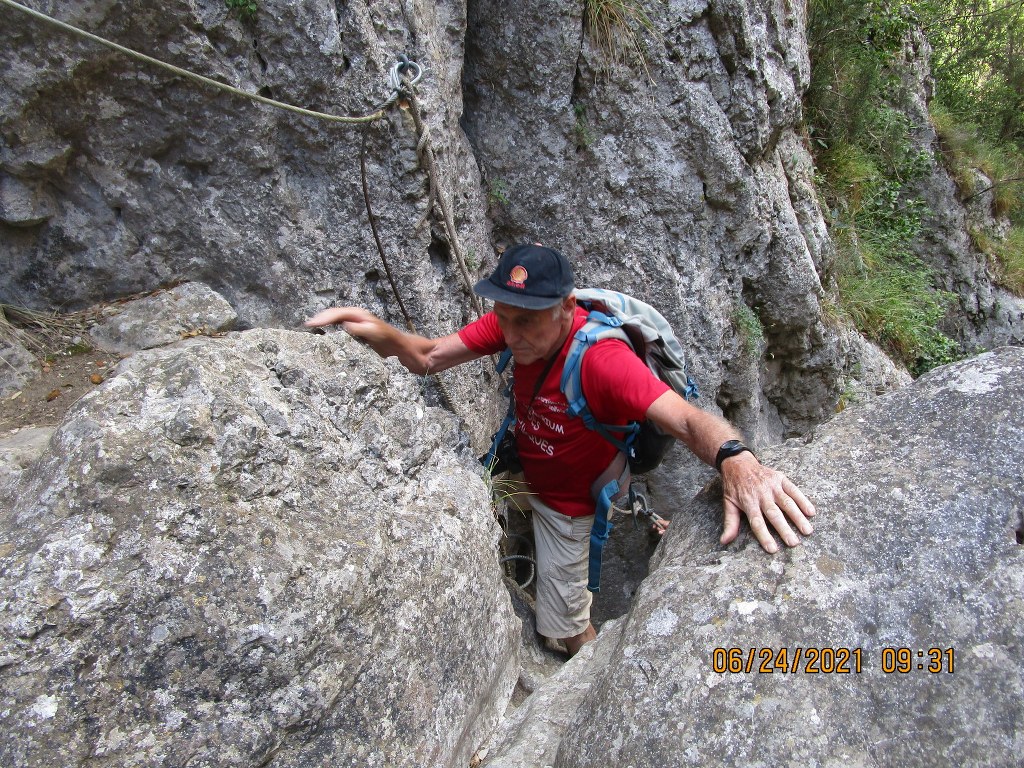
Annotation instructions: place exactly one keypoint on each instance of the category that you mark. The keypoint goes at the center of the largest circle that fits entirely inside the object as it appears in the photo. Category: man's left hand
(766, 497)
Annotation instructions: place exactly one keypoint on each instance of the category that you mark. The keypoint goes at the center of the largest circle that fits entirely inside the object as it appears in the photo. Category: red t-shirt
(561, 458)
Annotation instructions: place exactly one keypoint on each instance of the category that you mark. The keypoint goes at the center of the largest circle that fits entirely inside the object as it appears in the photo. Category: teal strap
(611, 485)
(599, 534)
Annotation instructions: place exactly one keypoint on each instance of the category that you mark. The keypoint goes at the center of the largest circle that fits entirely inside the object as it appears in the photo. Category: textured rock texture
(684, 183)
(18, 366)
(120, 178)
(256, 549)
(18, 452)
(680, 179)
(164, 318)
(918, 544)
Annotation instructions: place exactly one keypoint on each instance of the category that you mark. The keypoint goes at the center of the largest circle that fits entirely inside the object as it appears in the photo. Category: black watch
(729, 449)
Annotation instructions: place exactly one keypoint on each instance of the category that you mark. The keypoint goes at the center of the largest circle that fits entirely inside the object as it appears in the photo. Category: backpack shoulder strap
(598, 327)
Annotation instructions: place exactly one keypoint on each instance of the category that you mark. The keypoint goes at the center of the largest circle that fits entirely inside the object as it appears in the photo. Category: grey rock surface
(122, 178)
(917, 545)
(683, 183)
(163, 318)
(20, 451)
(532, 733)
(18, 366)
(256, 549)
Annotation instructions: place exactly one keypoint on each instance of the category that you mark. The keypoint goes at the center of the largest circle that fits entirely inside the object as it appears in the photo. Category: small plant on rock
(750, 329)
(246, 9)
(615, 27)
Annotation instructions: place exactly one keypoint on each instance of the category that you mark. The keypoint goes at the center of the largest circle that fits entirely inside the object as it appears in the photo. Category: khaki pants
(563, 554)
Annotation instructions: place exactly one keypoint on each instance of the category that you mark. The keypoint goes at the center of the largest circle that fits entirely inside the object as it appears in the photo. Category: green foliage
(1006, 254)
(865, 165)
(1009, 254)
(892, 302)
(584, 136)
(750, 329)
(246, 9)
(852, 45)
(977, 62)
(497, 191)
(965, 149)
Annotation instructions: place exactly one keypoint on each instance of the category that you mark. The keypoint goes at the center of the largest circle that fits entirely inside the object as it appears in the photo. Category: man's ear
(569, 302)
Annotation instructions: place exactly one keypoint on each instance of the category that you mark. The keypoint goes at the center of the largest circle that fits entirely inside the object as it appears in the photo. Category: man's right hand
(417, 353)
(354, 320)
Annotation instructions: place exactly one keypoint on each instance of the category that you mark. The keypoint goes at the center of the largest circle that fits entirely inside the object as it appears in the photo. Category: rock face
(918, 545)
(683, 182)
(680, 179)
(120, 178)
(18, 366)
(164, 318)
(257, 549)
(987, 315)
(18, 452)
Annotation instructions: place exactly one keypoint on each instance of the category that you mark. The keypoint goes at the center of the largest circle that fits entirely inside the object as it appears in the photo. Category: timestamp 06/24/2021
(832, 661)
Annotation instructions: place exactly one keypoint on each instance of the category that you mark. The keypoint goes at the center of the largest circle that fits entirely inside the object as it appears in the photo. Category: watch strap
(729, 449)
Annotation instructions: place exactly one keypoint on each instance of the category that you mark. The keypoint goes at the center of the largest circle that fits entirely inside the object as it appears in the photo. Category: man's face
(534, 334)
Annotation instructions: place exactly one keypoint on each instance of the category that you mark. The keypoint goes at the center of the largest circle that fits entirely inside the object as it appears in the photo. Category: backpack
(643, 446)
(614, 315)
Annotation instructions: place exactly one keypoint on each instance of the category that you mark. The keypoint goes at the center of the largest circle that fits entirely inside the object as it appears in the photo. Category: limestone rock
(18, 366)
(256, 549)
(531, 734)
(164, 318)
(153, 179)
(20, 451)
(917, 546)
(987, 315)
(679, 179)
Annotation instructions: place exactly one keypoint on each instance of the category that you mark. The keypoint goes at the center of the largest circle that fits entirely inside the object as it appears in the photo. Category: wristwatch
(729, 449)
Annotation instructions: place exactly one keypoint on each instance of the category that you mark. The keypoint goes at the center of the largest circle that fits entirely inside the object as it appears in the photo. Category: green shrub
(246, 9)
(894, 304)
(865, 167)
(750, 329)
(965, 150)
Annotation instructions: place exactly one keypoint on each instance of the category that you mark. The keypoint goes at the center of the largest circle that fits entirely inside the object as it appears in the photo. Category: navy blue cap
(528, 276)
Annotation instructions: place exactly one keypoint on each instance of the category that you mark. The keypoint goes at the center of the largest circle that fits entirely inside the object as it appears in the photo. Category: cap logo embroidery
(517, 277)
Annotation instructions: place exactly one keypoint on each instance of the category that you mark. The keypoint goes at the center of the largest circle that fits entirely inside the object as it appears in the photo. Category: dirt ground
(69, 366)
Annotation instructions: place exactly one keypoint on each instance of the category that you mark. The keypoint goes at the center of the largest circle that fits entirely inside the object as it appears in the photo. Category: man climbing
(535, 315)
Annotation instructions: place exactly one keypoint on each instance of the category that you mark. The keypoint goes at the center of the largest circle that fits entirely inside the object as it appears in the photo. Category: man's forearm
(412, 350)
(702, 432)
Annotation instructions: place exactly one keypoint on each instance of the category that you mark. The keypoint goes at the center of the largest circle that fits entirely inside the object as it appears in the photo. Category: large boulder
(18, 366)
(163, 318)
(908, 592)
(262, 548)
